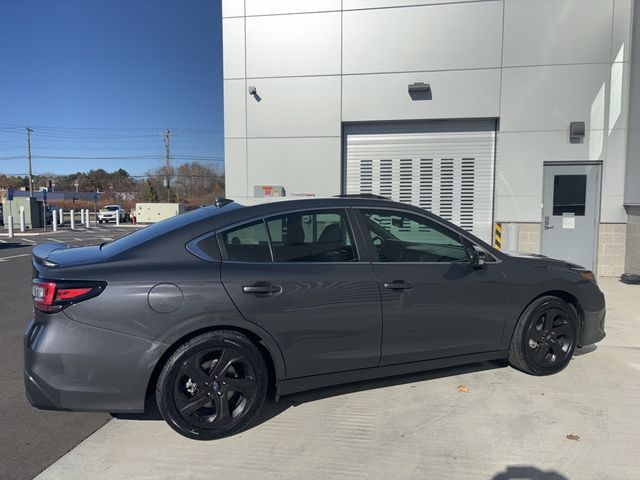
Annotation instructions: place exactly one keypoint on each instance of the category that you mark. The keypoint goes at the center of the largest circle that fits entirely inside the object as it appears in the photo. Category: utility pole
(29, 158)
(167, 158)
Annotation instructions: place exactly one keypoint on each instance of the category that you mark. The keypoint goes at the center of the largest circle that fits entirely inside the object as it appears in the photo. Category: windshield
(171, 224)
(111, 208)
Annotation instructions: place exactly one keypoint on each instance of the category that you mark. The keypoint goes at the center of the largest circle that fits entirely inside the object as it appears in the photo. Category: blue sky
(104, 78)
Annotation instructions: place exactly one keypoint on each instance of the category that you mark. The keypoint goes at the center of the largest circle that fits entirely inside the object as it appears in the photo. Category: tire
(545, 337)
(202, 401)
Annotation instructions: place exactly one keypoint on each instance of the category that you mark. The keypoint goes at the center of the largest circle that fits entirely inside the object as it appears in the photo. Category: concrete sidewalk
(508, 425)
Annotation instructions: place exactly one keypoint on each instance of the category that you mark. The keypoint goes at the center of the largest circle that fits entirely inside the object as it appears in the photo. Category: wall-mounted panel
(520, 157)
(235, 168)
(293, 45)
(364, 4)
(456, 94)
(434, 37)
(518, 208)
(233, 47)
(234, 109)
(301, 165)
(544, 32)
(294, 107)
(272, 7)
(549, 98)
(613, 176)
(232, 8)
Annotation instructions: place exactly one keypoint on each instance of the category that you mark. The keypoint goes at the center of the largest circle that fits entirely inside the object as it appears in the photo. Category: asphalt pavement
(31, 439)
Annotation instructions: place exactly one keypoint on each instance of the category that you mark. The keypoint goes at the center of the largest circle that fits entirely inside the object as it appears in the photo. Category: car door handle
(261, 289)
(397, 285)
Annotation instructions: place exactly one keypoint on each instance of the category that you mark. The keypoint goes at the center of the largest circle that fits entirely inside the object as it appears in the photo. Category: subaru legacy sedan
(210, 310)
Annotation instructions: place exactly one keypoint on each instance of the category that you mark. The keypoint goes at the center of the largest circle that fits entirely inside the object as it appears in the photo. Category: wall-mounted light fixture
(253, 91)
(420, 91)
(576, 132)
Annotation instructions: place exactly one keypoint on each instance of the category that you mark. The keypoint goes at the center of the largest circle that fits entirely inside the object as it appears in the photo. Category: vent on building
(448, 171)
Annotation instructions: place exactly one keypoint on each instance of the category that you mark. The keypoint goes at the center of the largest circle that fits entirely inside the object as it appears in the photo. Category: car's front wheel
(545, 337)
(212, 386)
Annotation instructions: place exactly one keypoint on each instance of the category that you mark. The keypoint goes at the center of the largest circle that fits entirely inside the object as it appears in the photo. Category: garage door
(445, 167)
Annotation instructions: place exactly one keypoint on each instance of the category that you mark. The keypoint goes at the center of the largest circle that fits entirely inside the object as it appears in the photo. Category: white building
(485, 111)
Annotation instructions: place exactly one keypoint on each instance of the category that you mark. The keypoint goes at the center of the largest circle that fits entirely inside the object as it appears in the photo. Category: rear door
(298, 276)
(434, 303)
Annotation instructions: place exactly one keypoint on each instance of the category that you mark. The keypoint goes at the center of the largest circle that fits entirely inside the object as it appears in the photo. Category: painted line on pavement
(4, 259)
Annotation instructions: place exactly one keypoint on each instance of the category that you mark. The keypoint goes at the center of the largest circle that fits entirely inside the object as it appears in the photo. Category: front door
(434, 302)
(298, 276)
(570, 212)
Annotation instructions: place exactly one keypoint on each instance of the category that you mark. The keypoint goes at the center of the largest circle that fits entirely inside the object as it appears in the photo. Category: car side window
(312, 236)
(247, 243)
(405, 237)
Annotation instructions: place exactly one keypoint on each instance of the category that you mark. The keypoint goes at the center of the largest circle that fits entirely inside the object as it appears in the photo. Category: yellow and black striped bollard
(497, 240)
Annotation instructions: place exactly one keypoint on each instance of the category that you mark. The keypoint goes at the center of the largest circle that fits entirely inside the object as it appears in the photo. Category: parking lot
(484, 421)
(31, 439)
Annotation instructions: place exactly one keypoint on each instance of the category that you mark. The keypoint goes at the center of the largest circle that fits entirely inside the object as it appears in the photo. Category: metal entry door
(570, 212)
(443, 166)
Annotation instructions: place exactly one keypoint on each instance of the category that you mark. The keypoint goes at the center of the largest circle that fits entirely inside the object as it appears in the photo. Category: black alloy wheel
(545, 337)
(212, 386)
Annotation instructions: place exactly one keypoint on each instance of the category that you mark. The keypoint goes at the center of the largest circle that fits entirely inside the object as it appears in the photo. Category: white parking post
(10, 220)
(61, 218)
(117, 218)
(21, 218)
(82, 217)
(54, 221)
(72, 219)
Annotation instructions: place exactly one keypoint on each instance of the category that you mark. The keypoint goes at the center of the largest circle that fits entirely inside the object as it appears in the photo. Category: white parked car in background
(108, 214)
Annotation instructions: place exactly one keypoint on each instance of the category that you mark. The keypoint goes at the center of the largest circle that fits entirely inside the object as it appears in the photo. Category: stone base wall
(632, 251)
(528, 237)
(611, 249)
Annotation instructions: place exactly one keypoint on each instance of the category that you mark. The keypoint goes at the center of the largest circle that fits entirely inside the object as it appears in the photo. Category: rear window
(247, 243)
(152, 231)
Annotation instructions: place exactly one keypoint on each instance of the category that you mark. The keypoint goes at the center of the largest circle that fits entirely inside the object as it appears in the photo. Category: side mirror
(477, 255)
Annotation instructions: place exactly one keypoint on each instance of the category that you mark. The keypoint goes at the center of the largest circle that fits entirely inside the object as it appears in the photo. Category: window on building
(569, 194)
(315, 236)
(400, 237)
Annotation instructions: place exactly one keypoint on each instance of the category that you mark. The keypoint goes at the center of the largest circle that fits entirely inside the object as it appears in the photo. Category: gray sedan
(210, 310)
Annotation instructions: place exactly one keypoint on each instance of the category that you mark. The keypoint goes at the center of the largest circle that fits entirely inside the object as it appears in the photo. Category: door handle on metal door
(261, 289)
(546, 224)
(397, 285)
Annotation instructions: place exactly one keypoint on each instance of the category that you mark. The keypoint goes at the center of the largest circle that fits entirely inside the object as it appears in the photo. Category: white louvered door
(445, 167)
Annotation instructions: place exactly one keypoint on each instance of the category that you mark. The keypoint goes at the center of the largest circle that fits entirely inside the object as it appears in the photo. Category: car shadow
(7, 246)
(585, 350)
(273, 408)
(527, 472)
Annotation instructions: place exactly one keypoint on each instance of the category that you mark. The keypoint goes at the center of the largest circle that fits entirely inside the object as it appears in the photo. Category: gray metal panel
(571, 238)
(446, 167)
(632, 176)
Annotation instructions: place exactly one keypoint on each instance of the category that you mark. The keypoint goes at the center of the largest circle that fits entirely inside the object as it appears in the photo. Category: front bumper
(69, 365)
(592, 327)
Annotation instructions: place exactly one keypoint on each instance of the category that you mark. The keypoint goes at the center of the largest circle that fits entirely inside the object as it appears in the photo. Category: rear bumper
(72, 366)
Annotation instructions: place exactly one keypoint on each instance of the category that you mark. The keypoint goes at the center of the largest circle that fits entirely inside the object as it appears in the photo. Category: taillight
(54, 295)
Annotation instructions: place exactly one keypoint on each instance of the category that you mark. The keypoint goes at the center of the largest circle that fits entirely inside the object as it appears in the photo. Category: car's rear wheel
(212, 386)
(545, 337)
